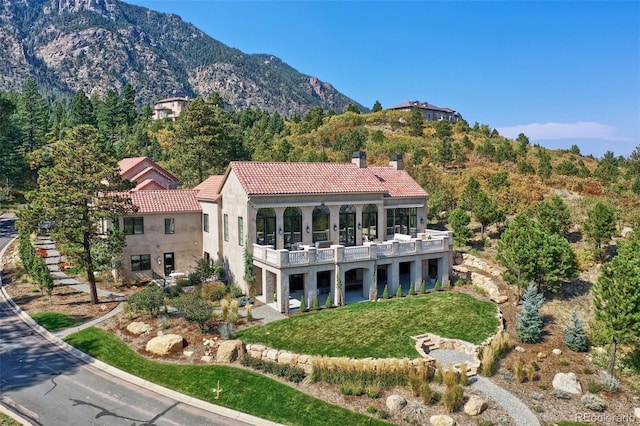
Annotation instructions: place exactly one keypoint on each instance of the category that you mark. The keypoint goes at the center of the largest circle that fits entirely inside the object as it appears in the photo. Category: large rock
(567, 382)
(163, 345)
(229, 351)
(396, 402)
(442, 420)
(636, 412)
(475, 405)
(499, 298)
(138, 328)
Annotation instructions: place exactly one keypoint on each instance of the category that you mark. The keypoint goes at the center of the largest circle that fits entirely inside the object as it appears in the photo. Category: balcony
(401, 245)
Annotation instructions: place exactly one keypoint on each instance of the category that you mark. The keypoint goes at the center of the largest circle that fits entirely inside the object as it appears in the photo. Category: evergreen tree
(574, 336)
(544, 164)
(12, 165)
(303, 303)
(68, 195)
(486, 212)
(128, 105)
(81, 110)
(377, 106)
(109, 116)
(385, 292)
(444, 152)
(32, 114)
(459, 221)
(607, 169)
(523, 144)
(469, 194)
(600, 224)
(416, 122)
(353, 108)
(529, 321)
(553, 215)
(399, 291)
(616, 298)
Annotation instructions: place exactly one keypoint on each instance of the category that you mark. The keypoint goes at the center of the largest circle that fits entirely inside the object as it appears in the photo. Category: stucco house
(313, 229)
(169, 108)
(146, 174)
(429, 111)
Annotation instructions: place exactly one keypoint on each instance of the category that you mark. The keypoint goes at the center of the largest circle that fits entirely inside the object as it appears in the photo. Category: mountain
(97, 45)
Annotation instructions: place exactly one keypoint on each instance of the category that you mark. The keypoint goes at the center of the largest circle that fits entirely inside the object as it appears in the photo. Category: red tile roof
(148, 184)
(127, 164)
(164, 201)
(323, 178)
(209, 189)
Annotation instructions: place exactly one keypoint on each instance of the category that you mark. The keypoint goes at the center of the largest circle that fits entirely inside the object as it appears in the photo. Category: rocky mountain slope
(97, 45)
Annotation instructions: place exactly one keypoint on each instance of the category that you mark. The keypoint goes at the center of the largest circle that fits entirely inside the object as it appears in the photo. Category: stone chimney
(359, 158)
(396, 162)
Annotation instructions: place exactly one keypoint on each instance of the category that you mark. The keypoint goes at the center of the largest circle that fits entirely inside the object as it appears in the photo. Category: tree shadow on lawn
(573, 289)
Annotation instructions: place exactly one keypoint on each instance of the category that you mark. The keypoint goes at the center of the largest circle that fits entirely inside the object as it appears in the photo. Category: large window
(266, 227)
(321, 216)
(205, 222)
(169, 225)
(292, 227)
(226, 227)
(402, 221)
(348, 225)
(141, 262)
(370, 222)
(133, 225)
(240, 230)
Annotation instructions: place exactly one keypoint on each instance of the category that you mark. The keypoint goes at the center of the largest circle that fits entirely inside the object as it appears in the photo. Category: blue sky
(561, 72)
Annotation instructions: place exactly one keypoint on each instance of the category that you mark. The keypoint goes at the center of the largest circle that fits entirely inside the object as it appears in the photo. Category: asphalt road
(48, 386)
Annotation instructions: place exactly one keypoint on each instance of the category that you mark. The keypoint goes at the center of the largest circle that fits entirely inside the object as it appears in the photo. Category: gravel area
(517, 409)
(449, 356)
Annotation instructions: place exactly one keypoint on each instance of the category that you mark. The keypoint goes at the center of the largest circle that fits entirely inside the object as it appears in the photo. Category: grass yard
(379, 329)
(54, 320)
(242, 390)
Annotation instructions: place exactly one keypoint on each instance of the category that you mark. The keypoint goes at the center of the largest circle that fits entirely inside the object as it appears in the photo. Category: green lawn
(241, 390)
(379, 329)
(7, 421)
(53, 320)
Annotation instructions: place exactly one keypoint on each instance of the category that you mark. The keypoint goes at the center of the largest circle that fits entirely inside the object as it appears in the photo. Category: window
(402, 221)
(266, 227)
(292, 226)
(320, 223)
(370, 222)
(133, 225)
(348, 225)
(226, 227)
(141, 262)
(240, 231)
(205, 222)
(169, 225)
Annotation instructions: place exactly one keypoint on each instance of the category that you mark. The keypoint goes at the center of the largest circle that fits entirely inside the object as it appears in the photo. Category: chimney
(396, 162)
(359, 158)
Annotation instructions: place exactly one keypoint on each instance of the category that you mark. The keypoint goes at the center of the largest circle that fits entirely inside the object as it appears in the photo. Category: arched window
(321, 216)
(348, 225)
(370, 222)
(266, 227)
(292, 227)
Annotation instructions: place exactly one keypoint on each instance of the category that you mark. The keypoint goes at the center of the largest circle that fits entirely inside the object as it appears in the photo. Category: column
(393, 272)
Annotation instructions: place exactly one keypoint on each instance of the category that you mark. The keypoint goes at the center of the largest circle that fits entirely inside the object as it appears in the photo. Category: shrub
(519, 372)
(415, 381)
(193, 308)
(213, 291)
(560, 394)
(564, 362)
(233, 317)
(373, 391)
(194, 278)
(531, 372)
(289, 372)
(507, 376)
(371, 409)
(303, 304)
(249, 313)
(234, 290)
(490, 353)
(328, 302)
(423, 287)
(574, 336)
(529, 322)
(450, 377)
(609, 383)
(340, 371)
(383, 414)
(385, 292)
(399, 291)
(453, 398)
(351, 389)
(412, 290)
(245, 300)
(426, 393)
(593, 386)
(316, 303)
(224, 306)
(150, 299)
(438, 376)
(593, 402)
(438, 286)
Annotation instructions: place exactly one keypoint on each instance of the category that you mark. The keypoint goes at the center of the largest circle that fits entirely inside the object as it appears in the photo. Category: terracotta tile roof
(323, 178)
(127, 164)
(209, 189)
(164, 201)
(148, 184)
(397, 183)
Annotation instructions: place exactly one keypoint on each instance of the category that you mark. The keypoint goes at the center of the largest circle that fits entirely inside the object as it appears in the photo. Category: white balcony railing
(298, 258)
(324, 255)
(356, 253)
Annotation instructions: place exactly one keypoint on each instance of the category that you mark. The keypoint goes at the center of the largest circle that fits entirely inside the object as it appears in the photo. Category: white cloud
(550, 131)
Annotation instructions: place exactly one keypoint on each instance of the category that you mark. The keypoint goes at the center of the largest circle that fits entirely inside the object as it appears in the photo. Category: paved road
(48, 386)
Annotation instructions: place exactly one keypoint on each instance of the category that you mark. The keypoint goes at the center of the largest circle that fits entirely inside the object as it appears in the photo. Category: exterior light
(359, 225)
(159, 260)
(422, 220)
(280, 231)
(335, 227)
(308, 229)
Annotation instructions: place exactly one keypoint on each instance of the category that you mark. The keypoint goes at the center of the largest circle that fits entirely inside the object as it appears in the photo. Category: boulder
(229, 351)
(396, 402)
(626, 232)
(166, 344)
(287, 358)
(519, 349)
(541, 355)
(636, 412)
(499, 298)
(442, 420)
(206, 358)
(475, 405)
(138, 328)
(556, 351)
(567, 382)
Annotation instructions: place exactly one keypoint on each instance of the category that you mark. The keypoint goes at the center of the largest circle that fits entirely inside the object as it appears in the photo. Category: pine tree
(600, 224)
(385, 292)
(377, 106)
(574, 336)
(316, 303)
(529, 321)
(328, 302)
(399, 291)
(412, 289)
(303, 304)
(423, 287)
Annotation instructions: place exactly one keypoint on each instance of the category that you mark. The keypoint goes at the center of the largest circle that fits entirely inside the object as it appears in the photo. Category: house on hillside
(429, 111)
(317, 228)
(146, 174)
(306, 230)
(169, 108)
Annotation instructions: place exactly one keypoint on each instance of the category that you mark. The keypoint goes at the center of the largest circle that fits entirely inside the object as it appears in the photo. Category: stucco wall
(234, 205)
